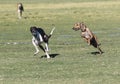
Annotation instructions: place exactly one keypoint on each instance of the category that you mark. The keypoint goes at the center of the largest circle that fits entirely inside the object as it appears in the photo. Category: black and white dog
(39, 36)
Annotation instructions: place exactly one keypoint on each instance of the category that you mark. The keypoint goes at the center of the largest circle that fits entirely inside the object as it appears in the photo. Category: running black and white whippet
(39, 36)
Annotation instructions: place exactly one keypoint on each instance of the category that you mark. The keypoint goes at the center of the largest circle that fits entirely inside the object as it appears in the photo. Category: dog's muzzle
(75, 29)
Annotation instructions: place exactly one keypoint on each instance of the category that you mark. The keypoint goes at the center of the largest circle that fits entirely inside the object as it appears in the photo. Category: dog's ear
(77, 24)
(82, 25)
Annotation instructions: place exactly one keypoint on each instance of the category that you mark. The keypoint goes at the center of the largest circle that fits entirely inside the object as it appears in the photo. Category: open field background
(74, 62)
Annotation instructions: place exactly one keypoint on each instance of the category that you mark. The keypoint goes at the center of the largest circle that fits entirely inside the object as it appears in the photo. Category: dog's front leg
(87, 40)
(35, 45)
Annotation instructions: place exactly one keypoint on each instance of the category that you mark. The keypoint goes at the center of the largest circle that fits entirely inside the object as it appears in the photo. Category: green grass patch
(74, 62)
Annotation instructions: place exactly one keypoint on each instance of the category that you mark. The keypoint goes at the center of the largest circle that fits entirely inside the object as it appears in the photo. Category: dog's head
(33, 30)
(79, 26)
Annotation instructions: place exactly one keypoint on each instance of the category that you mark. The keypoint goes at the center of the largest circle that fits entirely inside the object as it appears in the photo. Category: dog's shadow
(51, 56)
(95, 53)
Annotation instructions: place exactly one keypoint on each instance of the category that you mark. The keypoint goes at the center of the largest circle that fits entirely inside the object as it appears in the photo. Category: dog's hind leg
(100, 51)
(35, 45)
(46, 47)
(44, 51)
(47, 54)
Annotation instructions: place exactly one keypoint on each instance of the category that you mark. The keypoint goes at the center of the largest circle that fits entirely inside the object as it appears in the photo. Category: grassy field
(74, 61)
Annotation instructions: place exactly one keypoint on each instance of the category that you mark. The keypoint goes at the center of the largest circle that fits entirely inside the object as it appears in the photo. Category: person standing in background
(20, 9)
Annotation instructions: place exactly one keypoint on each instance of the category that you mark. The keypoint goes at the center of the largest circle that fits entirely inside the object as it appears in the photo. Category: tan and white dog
(20, 9)
(39, 37)
(87, 35)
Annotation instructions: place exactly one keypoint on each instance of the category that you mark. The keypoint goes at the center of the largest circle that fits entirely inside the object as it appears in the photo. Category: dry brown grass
(62, 5)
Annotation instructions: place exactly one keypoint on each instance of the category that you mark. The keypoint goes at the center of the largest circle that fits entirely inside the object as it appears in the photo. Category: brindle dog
(87, 35)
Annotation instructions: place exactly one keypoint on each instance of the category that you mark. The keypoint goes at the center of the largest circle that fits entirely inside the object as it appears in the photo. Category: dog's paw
(88, 43)
(36, 53)
(101, 52)
(48, 57)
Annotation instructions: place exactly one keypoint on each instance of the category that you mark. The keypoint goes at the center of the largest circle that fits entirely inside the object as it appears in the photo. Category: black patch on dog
(93, 42)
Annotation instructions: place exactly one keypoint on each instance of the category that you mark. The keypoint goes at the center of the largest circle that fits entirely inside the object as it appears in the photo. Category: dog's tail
(52, 31)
